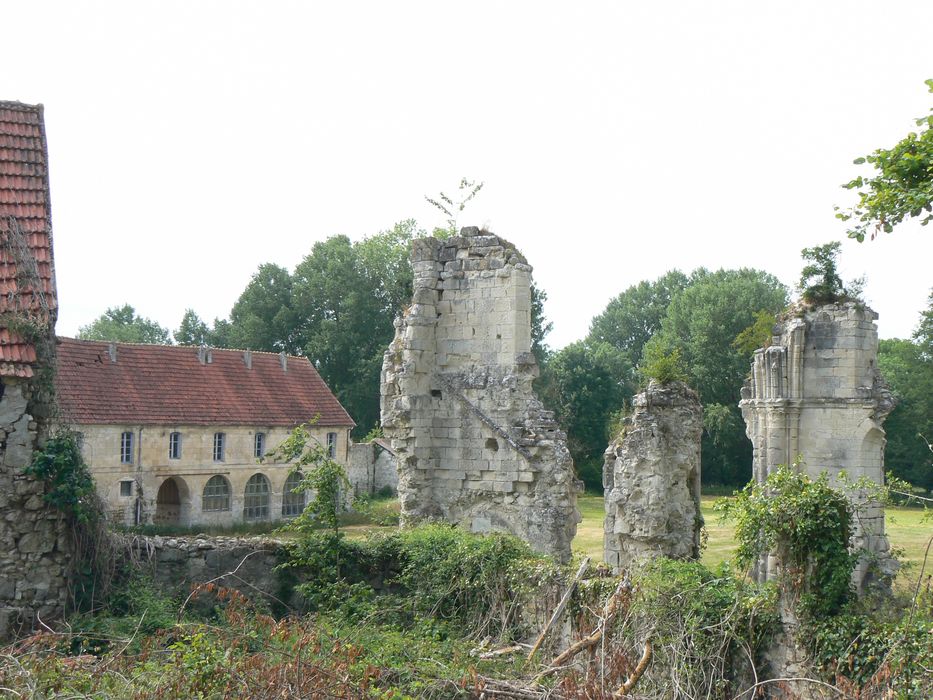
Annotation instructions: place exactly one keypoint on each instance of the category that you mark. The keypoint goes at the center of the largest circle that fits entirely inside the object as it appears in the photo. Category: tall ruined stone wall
(35, 545)
(651, 478)
(816, 393)
(474, 445)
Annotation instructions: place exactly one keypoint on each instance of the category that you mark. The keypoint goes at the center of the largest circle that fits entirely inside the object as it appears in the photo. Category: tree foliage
(910, 376)
(820, 282)
(192, 330)
(586, 384)
(901, 187)
(120, 324)
(635, 315)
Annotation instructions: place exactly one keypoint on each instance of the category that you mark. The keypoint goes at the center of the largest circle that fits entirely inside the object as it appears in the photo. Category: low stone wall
(177, 564)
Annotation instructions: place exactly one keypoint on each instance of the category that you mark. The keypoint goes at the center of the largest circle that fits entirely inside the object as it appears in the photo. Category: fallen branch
(637, 673)
(560, 608)
(792, 680)
(590, 641)
(501, 652)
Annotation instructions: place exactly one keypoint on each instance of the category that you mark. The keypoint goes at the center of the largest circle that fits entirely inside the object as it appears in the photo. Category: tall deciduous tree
(586, 385)
(192, 330)
(910, 375)
(631, 318)
(703, 321)
(121, 324)
(263, 318)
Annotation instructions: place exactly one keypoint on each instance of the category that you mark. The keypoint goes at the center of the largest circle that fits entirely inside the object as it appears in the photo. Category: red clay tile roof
(27, 278)
(168, 385)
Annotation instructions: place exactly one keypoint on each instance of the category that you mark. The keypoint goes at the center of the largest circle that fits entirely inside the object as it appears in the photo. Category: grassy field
(905, 529)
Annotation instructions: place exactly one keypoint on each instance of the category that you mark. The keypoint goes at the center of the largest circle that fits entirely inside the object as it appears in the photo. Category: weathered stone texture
(651, 477)
(474, 445)
(816, 393)
(35, 545)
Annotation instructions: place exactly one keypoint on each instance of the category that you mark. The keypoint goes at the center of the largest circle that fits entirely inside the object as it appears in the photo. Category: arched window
(292, 503)
(216, 496)
(256, 498)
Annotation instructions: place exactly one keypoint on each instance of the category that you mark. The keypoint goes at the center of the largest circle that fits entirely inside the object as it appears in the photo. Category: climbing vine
(808, 525)
(69, 485)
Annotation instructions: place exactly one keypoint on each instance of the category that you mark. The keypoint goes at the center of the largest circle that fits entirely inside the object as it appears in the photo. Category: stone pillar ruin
(816, 393)
(35, 543)
(474, 446)
(651, 478)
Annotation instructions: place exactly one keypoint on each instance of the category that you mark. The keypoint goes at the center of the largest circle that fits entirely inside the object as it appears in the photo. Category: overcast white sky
(191, 141)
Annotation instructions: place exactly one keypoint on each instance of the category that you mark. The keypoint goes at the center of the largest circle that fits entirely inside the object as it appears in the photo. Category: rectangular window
(259, 446)
(332, 445)
(220, 440)
(126, 448)
(126, 489)
(174, 446)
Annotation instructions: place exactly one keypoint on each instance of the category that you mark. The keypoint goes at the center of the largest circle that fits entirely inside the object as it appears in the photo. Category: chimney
(248, 359)
(204, 355)
(112, 351)
(283, 360)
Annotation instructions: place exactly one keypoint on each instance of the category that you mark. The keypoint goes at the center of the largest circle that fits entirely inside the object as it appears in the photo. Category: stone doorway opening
(170, 501)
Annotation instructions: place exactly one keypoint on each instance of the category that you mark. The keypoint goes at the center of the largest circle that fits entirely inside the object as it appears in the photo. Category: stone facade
(816, 393)
(371, 467)
(651, 478)
(153, 487)
(474, 445)
(180, 435)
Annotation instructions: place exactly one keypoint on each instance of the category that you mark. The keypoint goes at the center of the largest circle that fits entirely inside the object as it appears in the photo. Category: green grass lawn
(904, 526)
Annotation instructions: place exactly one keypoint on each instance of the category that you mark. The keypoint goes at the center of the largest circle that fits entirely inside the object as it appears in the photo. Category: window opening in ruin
(436, 393)
(492, 444)
(259, 445)
(126, 447)
(220, 443)
(256, 498)
(126, 489)
(292, 503)
(216, 495)
(174, 446)
(331, 445)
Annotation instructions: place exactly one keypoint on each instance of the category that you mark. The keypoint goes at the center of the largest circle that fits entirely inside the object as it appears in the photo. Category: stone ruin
(651, 478)
(35, 544)
(474, 446)
(816, 393)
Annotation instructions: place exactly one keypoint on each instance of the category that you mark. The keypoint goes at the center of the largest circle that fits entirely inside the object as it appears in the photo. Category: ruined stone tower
(651, 478)
(35, 545)
(474, 445)
(816, 393)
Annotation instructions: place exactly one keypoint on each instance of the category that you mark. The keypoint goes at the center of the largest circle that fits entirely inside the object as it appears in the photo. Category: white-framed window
(292, 503)
(331, 445)
(256, 498)
(216, 495)
(259, 445)
(174, 445)
(126, 447)
(220, 445)
(126, 488)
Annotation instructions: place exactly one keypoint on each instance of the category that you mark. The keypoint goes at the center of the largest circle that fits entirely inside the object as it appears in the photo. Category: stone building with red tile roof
(173, 435)
(35, 547)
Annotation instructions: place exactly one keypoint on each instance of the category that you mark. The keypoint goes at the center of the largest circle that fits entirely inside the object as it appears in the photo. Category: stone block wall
(816, 393)
(35, 544)
(474, 446)
(651, 478)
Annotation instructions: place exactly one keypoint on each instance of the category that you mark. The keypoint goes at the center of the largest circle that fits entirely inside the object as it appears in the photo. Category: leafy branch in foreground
(901, 188)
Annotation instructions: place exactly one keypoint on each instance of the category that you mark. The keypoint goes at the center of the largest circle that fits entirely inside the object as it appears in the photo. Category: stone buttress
(816, 393)
(474, 445)
(651, 478)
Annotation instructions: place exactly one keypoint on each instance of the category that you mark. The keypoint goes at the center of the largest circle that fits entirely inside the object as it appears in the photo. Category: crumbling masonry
(816, 393)
(474, 445)
(651, 478)
(35, 544)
